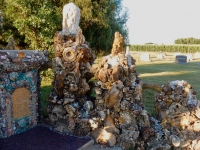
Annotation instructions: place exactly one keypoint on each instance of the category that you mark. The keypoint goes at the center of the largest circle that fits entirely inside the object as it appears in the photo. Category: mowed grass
(160, 72)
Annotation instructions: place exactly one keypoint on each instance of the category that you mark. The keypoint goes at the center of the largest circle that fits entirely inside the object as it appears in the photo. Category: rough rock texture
(117, 116)
(21, 60)
(70, 108)
(118, 44)
(19, 89)
(118, 103)
(71, 18)
(179, 113)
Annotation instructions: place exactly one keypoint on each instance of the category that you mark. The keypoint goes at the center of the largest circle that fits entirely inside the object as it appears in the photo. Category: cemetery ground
(156, 71)
(159, 71)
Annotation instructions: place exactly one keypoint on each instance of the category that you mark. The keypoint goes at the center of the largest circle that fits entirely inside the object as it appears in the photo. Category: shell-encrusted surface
(19, 90)
(21, 60)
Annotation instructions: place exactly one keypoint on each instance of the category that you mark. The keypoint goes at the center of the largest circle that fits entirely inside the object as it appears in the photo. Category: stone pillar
(69, 106)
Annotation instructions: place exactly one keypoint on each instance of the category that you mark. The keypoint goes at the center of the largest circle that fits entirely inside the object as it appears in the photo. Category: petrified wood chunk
(114, 95)
(80, 39)
(117, 44)
(11, 44)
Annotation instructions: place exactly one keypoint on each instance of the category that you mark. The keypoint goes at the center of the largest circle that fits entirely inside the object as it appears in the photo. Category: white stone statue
(71, 18)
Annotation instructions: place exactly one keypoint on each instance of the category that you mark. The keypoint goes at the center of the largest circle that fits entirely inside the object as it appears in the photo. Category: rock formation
(69, 107)
(117, 115)
(179, 113)
(118, 101)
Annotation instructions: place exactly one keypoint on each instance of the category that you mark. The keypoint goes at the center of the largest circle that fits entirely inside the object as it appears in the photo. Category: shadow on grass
(148, 99)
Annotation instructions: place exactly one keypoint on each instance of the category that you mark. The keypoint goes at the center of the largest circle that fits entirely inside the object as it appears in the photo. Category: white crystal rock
(71, 18)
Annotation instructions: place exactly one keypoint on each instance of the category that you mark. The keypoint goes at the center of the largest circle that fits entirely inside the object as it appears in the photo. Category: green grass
(46, 88)
(160, 72)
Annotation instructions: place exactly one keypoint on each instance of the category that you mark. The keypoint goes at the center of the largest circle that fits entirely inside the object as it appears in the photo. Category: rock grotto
(116, 115)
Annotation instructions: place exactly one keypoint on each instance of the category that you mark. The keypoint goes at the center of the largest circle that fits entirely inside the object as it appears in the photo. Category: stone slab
(181, 59)
(22, 60)
(197, 55)
(189, 57)
(145, 57)
(99, 147)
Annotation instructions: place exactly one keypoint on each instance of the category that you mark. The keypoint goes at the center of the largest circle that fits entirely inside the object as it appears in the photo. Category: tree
(33, 23)
(6, 27)
(35, 20)
(190, 40)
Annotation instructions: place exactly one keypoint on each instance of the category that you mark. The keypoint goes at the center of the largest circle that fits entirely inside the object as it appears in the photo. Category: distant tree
(149, 43)
(190, 41)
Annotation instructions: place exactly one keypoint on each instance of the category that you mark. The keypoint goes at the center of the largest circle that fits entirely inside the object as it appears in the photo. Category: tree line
(166, 48)
(33, 23)
(190, 41)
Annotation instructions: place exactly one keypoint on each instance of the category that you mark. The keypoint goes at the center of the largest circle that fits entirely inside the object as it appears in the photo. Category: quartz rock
(71, 18)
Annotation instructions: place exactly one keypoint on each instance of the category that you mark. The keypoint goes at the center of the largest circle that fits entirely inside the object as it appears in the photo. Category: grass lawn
(46, 88)
(160, 72)
(154, 72)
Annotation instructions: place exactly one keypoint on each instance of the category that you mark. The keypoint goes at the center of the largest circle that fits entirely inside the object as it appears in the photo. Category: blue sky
(162, 21)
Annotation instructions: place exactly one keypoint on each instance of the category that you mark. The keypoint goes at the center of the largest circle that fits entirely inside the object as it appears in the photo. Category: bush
(47, 74)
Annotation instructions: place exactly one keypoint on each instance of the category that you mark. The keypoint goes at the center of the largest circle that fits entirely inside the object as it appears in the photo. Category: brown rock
(117, 44)
(101, 136)
(114, 95)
